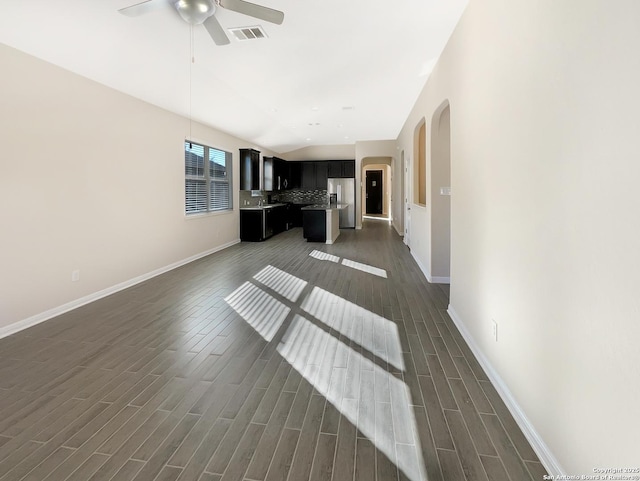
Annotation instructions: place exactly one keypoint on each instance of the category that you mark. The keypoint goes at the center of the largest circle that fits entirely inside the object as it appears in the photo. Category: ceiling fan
(198, 12)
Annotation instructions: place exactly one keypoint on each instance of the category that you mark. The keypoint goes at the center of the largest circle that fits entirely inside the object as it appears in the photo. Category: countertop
(261, 207)
(325, 207)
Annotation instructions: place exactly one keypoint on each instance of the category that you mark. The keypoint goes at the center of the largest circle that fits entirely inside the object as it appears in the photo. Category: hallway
(266, 361)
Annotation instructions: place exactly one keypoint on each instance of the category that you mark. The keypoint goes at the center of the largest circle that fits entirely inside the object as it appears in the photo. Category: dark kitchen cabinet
(349, 169)
(268, 223)
(252, 225)
(268, 173)
(295, 174)
(321, 175)
(308, 176)
(341, 169)
(249, 169)
(334, 168)
(258, 224)
(280, 218)
(295, 214)
(314, 175)
(280, 174)
(314, 225)
(276, 174)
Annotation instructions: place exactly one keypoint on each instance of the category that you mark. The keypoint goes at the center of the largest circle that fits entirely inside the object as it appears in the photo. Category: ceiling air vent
(248, 33)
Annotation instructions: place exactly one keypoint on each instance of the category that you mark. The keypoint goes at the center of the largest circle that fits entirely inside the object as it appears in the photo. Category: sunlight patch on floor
(323, 256)
(262, 311)
(371, 398)
(366, 387)
(281, 282)
(373, 332)
(365, 268)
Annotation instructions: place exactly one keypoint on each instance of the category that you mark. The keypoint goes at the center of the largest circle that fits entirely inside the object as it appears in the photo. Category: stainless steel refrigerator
(346, 190)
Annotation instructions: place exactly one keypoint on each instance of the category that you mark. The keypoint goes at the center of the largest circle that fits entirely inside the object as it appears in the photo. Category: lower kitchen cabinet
(314, 225)
(252, 224)
(259, 224)
(295, 214)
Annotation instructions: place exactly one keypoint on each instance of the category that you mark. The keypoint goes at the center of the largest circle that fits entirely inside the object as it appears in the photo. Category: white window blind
(207, 185)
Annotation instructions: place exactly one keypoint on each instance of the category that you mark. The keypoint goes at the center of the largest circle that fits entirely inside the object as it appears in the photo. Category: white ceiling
(284, 92)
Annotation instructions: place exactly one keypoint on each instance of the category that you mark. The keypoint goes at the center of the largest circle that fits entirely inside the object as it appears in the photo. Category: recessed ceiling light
(348, 107)
(308, 139)
(315, 109)
(340, 126)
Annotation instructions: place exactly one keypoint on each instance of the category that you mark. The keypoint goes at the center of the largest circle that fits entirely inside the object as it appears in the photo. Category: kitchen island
(321, 222)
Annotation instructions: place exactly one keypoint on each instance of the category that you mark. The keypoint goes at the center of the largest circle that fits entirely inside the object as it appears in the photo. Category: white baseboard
(441, 280)
(424, 270)
(547, 458)
(69, 306)
(427, 274)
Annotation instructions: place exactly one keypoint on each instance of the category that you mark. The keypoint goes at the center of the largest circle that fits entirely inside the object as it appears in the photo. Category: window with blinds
(207, 182)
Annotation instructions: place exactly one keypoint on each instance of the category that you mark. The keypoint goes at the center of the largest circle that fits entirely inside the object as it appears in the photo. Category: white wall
(545, 115)
(440, 205)
(93, 180)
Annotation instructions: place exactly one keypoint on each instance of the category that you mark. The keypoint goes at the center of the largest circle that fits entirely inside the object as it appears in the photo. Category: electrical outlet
(494, 330)
(75, 275)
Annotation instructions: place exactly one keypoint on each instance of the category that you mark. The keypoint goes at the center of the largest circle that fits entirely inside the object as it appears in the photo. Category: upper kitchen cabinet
(249, 169)
(276, 174)
(321, 175)
(308, 175)
(314, 175)
(341, 169)
(281, 174)
(349, 169)
(294, 170)
(269, 180)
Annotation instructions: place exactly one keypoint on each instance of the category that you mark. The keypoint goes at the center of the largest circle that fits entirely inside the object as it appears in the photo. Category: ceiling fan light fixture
(195, 11)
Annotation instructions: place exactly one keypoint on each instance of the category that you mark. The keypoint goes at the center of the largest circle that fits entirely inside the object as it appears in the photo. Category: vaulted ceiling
(335, 71)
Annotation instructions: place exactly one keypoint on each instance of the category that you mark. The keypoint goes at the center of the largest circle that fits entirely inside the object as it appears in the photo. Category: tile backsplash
(248, 197)
(304, 196)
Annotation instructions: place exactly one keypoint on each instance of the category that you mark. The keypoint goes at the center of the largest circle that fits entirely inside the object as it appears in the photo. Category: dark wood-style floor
(267, 361)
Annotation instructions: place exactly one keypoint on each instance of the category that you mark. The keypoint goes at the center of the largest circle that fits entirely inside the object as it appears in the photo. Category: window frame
(192, 196)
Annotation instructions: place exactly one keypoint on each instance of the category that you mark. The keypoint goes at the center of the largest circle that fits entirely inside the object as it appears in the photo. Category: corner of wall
(424, 270)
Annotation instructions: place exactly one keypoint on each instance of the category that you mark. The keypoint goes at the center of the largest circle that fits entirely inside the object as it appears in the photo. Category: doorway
(374, 190)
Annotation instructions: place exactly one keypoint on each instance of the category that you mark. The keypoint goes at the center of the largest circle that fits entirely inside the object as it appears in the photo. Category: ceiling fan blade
(142, 8)
(253, 10)
(216, 31)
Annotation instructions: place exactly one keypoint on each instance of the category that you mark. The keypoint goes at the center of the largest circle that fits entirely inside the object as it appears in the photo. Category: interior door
(374, 191)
